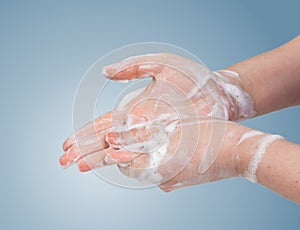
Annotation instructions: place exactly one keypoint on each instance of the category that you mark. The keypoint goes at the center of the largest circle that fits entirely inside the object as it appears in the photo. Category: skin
(272, 79)
(279, 170)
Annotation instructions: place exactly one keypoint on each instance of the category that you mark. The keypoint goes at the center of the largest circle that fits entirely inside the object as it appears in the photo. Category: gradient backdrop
(46, 47)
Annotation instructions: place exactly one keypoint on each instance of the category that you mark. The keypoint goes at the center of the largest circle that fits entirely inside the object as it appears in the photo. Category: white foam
(249, 134)
(250, 174)
(239, 101)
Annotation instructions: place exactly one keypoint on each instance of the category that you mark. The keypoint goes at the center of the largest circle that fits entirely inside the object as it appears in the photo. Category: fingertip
(165, 189)
(69, 157)
(65, 145)
(63, 160)
(68, 143)
(83, 166)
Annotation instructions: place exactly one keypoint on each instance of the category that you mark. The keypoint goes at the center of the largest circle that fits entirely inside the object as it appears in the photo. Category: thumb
(136, 67)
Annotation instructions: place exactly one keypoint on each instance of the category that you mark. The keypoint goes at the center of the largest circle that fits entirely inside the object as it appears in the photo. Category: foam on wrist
(239, 103)
(250, 173)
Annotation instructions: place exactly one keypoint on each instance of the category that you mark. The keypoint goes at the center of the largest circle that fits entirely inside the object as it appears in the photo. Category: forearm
(279, 168)
(273, 78)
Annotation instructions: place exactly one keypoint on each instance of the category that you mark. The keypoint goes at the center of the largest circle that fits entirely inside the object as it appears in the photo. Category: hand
(220, 90)
(176, 103)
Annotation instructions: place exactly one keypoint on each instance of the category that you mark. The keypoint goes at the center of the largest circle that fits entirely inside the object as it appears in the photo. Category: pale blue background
(45, 49)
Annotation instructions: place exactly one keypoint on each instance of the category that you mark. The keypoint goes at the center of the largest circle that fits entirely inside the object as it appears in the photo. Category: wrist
(229, 163)
(237, 101)
(250, 151)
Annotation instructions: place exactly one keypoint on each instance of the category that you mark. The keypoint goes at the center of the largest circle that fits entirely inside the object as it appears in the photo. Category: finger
(97, 126)
(76, 152)
(94, 160)
(120, 156)
(161, 66)
(68, 157)
(137, 166)
(85, 145)
(138, 70)
(128, 137)
(138, 66)
(170, 188)
(171, 185)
